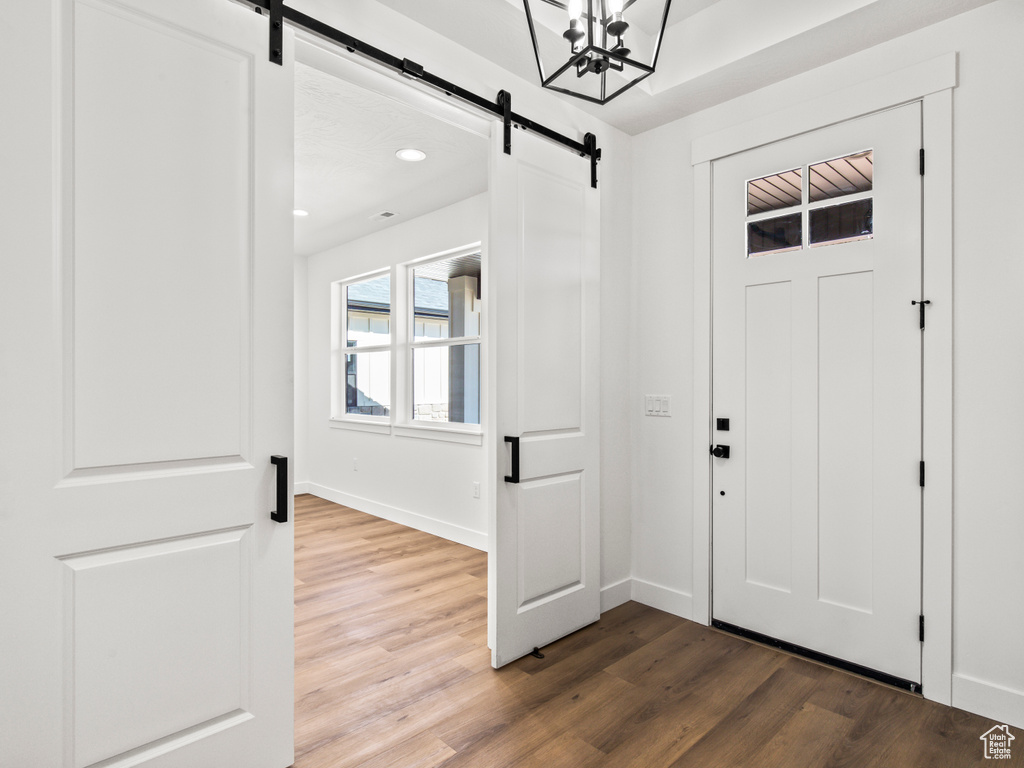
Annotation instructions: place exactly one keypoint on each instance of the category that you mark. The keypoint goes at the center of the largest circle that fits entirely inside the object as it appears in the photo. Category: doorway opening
(391, 342)
(391, 307)
(528, 233)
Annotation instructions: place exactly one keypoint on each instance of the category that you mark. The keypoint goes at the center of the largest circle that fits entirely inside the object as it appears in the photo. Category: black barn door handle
(281, 514)
(514, 477)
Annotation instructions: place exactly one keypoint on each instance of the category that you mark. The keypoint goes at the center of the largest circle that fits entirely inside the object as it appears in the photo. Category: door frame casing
(930, 83)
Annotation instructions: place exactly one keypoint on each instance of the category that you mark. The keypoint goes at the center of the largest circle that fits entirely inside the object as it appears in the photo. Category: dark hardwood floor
(392, 670)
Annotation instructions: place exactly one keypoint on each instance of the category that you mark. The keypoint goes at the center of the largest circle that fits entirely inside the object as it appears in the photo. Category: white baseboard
(663, 598)
(300, 488)
(616, 594)
(459, 535)
(989, 700)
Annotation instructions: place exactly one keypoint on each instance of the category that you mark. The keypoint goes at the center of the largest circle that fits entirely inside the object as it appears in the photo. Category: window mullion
(400, 365)
(461, 341)
(367, 349)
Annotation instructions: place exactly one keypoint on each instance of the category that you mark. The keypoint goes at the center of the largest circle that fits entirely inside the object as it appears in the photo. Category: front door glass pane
(842, 223)
(782, 233)
(842, 176)
(770, 193)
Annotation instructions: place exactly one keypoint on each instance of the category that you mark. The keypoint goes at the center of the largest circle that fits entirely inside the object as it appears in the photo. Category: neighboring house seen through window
(366, 332)
(446, 340)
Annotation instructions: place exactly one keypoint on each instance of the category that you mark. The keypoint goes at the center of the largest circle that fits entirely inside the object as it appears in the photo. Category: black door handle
(720, 451)
(281, 514)
(514, 477)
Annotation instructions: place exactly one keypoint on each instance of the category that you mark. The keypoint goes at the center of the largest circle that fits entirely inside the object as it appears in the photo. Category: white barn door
(147, 352)
(817, 368)
(544, 261)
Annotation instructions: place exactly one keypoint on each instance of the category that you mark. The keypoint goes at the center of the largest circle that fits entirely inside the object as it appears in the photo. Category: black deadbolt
(720, 451)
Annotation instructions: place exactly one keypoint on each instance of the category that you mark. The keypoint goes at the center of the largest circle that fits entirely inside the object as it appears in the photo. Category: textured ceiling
(345, 165)
(713, 51)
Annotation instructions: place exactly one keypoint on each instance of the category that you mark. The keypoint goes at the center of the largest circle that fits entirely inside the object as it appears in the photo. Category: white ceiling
(713, 51)
(345, 165)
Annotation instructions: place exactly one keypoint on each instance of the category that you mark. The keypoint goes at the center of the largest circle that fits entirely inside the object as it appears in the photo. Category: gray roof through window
(431, 295)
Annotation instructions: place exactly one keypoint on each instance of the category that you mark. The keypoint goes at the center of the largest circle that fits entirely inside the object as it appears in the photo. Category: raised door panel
(767, 453)
(551, 338)
(846, 440)
(158, 640)
(551, 536)
(159, 256)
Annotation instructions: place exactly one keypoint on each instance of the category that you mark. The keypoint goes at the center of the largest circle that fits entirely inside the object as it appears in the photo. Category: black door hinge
(922, 474)
(920, 634)
(922, 162)
(920, 306)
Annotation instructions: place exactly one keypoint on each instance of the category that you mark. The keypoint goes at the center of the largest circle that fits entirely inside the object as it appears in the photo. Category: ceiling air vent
(383, 215)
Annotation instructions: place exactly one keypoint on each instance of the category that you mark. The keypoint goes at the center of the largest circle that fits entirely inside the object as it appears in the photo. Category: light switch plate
(657, 405)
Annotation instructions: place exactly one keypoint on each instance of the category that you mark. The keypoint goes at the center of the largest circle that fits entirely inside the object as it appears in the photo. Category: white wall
(397, 34)
(988, 347)
(616, 402)
(425, 483)
(300, 473)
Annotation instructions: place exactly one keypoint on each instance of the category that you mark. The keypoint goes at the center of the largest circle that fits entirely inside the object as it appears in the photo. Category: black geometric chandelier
(596, 49)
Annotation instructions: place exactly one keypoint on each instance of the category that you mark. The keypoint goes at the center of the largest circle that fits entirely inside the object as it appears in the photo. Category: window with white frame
(823, 203)
(362, 350)
(445, 339)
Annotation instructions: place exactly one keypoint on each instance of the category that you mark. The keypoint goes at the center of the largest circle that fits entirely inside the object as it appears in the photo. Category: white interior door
(544, 272)
(817, 366)
(147, 302)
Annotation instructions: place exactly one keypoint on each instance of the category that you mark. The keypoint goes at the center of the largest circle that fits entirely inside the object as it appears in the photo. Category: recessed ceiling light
(300, 212)
(410, 155)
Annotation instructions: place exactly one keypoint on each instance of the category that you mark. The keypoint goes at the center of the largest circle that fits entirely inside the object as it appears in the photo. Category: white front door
(147, 353)
(817, 367)
(544, 257)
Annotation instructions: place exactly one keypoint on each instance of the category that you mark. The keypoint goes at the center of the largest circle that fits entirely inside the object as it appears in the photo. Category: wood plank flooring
(392, 670)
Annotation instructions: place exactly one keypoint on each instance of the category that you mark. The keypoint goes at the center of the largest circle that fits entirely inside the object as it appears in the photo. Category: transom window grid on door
(445, 340)
(796, 208)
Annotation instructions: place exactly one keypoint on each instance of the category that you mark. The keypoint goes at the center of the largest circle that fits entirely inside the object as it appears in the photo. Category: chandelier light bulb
(575, 34)
(617, 26)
